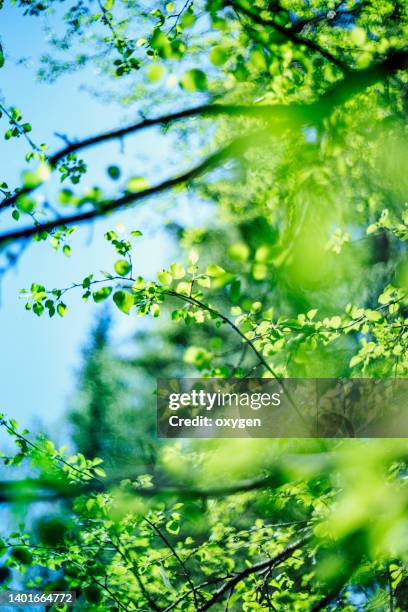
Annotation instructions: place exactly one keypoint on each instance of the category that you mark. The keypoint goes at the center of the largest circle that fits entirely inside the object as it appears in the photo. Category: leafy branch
(209, 163)
(258, 568)
(288, 33)
(292, 115)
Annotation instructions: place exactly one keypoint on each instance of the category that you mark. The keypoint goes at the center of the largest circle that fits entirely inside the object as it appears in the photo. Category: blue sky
(39, 356)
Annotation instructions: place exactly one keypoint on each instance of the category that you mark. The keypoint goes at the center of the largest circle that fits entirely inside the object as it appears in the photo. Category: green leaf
(136, 233)
(87, 281)
(204, 281)
(358, 36)
(139, 284)
(165, 277)
(137, 183)
(335, 322)
(387, 296)
(160, 43)
(372, 315)
(37, 177)
(111, 235)
(218, 56)
(100, 472)
(235, 291)
(62, 309)
(122, 267)
(355, 360)
(66, 249)
(22, 555)
(188, 19)
(66, 196)
(155, 310)
(26, 204)
(194, 80)
(239, 251)
(114, 172)
(155, 72)
(38, 308)
(214, 270)
(177, 271)
(173, 526)
(102, 294)
(371, 229)
(123, 300)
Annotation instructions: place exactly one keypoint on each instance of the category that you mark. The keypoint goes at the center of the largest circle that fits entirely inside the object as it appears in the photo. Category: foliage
(289, 118)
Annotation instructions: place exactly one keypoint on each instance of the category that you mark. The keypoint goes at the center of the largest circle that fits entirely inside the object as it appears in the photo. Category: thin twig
(177, 556)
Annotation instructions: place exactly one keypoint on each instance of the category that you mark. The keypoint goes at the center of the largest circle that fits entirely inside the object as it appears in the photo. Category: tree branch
(230, 323)
(135, 571)
(327, 599)
(177, 556)
(288, 33)
(207, 164)
(293, 115)
(42, 489)
(204, 110)
(254, 569)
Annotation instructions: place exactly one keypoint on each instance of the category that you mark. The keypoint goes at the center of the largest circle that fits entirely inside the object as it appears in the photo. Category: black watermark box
(287, 408)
